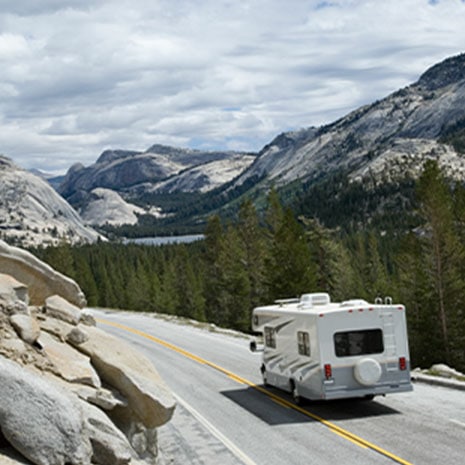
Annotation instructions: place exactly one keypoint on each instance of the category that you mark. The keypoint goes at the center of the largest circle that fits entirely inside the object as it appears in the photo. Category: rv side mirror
(254, 347)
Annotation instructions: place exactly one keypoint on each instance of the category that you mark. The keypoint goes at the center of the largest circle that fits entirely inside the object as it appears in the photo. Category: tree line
(260, 257)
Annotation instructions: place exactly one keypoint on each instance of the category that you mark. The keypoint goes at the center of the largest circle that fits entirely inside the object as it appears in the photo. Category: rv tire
(295, 393)
(264, 377)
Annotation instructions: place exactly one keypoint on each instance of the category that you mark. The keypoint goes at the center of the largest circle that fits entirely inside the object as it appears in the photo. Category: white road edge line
(220, 436)
(457, 422)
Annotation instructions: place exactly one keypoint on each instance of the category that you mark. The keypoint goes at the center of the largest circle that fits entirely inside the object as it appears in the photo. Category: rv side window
(358, 342)
(303, 343)
(270, 337)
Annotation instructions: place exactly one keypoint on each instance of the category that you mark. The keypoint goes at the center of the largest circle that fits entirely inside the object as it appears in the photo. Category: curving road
(225, 415)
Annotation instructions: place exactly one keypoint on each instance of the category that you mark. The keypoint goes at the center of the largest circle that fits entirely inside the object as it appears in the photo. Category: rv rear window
(270, 337)
(364, 342)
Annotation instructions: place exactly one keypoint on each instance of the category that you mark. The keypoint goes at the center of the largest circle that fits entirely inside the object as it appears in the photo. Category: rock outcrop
(119, 179)
(104, 206)
(40, 280)
(119, 365)
(381, 142)
(123, 171)
(41, 421)
(32, 213)
(71, 394)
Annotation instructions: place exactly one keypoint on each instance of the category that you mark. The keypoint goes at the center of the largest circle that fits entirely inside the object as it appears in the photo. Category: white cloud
(81, 76)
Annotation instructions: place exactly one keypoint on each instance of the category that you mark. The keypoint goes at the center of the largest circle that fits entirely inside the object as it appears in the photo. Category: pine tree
(443, 258)
(334, 273)
(85, 278)
(107, 298)
(255, 247)
(377, 280)
(155, 292)
(414, 290)
(290, 268)
(234, 290)
(170, 300)
(370, 277)
(61, 259)
(275, 213)
(214, 239)
(458, 210)
(188, 286)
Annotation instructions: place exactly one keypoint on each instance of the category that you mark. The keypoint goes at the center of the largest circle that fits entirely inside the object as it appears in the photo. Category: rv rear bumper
(333, 392)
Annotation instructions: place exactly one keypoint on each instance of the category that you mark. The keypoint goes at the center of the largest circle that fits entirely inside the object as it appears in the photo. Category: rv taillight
(328, 371)
(402, 363)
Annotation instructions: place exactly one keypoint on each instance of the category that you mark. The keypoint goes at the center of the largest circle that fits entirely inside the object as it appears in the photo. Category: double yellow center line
(278, 399)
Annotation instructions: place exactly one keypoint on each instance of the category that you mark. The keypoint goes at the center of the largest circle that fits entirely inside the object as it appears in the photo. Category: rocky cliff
(131, 176)
(71, 394)
(32, 213)
(105, 206)
(382, 141)
(123, 170)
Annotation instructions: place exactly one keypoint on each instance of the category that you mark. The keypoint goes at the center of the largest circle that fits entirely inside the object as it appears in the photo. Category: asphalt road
(225, 415)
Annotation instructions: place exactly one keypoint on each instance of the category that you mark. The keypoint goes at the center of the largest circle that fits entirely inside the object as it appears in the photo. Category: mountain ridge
(444, 73)
(151, 170)
(420, 112)
(32, 213)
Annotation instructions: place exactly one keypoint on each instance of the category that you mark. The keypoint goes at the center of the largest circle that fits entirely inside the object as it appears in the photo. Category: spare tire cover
(367, 371)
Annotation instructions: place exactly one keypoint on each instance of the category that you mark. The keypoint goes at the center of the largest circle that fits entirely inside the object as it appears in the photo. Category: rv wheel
(265, 381)
(295, 394)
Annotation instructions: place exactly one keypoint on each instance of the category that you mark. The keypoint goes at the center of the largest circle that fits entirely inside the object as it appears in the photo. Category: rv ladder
(390, 347)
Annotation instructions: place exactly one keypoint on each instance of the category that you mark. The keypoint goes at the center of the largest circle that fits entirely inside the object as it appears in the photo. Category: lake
(164, 240)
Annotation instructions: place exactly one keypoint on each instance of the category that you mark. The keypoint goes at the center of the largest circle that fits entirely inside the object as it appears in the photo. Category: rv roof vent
(354, 303)
(310, 300)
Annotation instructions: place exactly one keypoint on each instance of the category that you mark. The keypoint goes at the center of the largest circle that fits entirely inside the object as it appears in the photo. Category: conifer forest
(260, 256)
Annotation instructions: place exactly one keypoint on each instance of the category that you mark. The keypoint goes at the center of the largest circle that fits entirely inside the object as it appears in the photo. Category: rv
(316, 349)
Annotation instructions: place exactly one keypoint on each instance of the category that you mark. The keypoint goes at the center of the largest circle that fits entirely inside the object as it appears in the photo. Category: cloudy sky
(80, 76)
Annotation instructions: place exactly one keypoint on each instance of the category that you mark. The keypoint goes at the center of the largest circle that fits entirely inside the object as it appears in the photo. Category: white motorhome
(316, 349)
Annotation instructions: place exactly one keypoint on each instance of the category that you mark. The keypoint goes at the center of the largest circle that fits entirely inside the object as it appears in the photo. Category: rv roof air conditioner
(312, 300)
